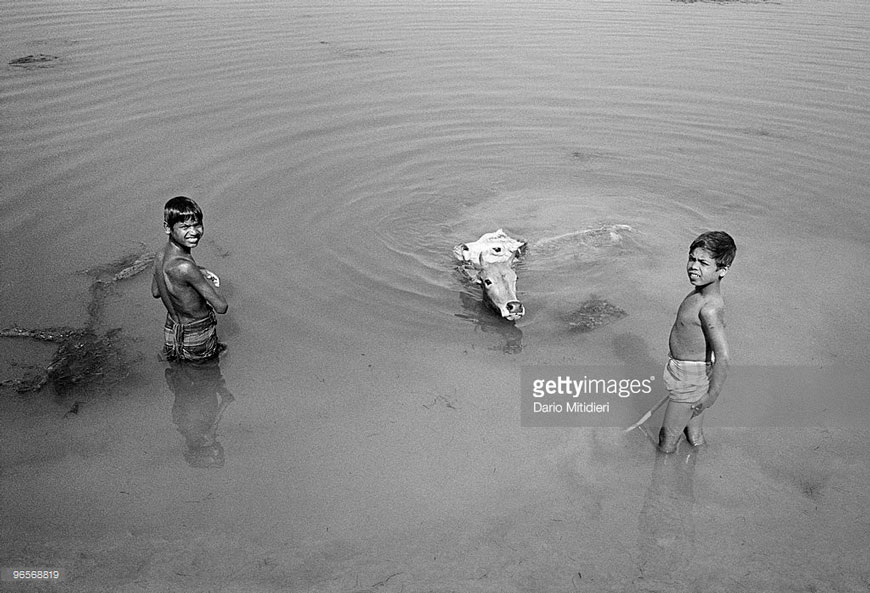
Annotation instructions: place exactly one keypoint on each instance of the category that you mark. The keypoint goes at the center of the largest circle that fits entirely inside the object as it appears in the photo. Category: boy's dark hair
(720, 245)
(181, 208)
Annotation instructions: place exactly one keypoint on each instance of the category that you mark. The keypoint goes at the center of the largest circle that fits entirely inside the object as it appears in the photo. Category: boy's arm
(193, 276)
(713, 324)
(155, 289)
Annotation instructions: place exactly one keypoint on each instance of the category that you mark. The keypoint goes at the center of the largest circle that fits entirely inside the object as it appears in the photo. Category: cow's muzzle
(514, 310)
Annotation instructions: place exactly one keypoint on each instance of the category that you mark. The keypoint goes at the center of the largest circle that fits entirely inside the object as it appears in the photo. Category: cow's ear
(470, 274)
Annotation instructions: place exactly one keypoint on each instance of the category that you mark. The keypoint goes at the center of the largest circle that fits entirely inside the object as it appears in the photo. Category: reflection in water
(483, 316)
(201, 396)
(666, 531)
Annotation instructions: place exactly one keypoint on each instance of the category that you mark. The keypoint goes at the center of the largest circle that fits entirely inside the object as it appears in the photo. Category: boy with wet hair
(698, 351)
(188, 292)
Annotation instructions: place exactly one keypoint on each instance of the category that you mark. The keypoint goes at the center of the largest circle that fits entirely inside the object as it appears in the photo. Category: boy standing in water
(698, 358)
(187, 291)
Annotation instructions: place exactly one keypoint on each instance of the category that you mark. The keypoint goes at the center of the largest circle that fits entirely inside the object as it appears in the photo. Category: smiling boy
(187, 291)
(699, 356)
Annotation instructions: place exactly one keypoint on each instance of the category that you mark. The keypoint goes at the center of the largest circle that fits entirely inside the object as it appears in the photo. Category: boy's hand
(704, 403)
(210, 276)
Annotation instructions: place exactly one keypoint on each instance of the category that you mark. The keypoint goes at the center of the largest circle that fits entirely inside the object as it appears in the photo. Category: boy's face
(185, 233)
(702, 268)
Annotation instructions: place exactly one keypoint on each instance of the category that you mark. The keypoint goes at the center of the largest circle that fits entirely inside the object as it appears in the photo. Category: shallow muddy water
(362, 432)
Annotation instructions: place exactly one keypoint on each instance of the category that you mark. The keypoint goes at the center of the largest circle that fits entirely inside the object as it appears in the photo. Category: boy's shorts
(687, 381)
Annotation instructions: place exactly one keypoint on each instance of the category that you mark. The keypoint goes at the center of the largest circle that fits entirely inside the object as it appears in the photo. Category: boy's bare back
(183, 288)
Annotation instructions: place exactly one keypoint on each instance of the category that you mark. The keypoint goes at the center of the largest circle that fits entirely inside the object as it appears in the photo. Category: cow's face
(499, 283)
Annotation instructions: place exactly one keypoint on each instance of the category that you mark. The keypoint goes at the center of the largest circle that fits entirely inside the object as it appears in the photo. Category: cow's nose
(515, 308)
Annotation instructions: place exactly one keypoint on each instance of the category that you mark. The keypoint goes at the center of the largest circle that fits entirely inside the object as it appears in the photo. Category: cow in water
(489, 262)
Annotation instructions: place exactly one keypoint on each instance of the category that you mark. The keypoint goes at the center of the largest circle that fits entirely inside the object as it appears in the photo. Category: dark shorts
(196, 341)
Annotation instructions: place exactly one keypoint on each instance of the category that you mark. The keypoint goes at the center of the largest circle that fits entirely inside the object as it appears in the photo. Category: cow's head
(494, 246)
(499, 282)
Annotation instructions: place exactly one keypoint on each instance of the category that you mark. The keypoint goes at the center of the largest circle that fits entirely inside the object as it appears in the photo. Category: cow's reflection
(477, 312)
(201, 396)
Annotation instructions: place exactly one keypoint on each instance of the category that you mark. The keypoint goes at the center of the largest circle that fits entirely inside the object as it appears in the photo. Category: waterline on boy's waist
(207, 320)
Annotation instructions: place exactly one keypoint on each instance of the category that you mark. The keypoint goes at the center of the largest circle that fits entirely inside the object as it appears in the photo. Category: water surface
(339, 151)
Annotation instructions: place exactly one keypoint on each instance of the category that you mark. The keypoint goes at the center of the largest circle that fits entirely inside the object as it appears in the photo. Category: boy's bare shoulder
(712, 311)
(178, 266)
(691, 303)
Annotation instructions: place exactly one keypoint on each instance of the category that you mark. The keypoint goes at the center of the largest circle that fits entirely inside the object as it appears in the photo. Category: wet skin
(187, 294)
(699, 329)
(699, 334)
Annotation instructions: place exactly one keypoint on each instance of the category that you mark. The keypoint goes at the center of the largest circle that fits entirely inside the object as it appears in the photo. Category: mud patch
(82, 357)
(85, 356)
(34, 61)
(593, 314)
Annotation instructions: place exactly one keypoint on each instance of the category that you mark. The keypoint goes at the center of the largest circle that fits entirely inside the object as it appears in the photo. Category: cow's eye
(497, 249)
(488, 282)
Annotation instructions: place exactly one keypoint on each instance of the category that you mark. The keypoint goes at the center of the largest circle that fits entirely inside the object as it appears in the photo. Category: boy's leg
(677, 417)
(694, 432)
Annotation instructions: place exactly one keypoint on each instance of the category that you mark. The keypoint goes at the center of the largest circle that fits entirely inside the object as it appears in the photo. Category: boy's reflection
(201, 396)
(666, 530)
